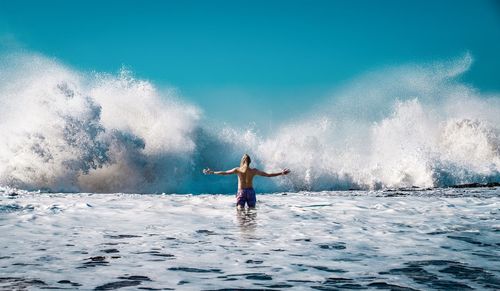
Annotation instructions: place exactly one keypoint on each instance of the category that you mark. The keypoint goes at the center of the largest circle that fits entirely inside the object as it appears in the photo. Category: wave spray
(415, 125)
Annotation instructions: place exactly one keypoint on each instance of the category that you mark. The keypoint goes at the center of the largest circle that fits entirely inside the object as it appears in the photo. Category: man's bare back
(245, 179)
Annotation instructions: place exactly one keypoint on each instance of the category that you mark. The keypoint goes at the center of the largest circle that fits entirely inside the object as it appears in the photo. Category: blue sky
(272, 59)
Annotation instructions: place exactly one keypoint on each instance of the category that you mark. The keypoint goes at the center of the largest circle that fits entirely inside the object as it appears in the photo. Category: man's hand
(207, 171)
(285, 171)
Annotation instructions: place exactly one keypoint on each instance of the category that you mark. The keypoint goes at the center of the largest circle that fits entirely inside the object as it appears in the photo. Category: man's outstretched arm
(264, 174)
(207, 171)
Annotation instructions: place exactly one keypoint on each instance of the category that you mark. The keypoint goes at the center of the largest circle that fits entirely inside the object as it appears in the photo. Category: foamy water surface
(433, 239)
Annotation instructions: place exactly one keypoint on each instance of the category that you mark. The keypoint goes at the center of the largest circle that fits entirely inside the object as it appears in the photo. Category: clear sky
(273, 58)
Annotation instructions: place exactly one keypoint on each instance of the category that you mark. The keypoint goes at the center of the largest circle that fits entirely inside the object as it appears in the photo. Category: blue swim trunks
(246, 195)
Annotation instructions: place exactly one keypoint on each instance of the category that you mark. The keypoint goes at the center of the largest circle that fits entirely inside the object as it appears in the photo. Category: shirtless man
(246, 193)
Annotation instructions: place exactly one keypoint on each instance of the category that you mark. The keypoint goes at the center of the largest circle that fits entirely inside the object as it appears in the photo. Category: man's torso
(245, 177)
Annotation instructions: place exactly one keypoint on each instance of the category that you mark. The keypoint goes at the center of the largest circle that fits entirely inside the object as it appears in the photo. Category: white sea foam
(436, 239)
(415, 125)
(69, 131)
(403, 127)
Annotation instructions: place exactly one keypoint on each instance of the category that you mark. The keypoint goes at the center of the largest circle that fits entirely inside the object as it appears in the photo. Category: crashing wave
(64, 130)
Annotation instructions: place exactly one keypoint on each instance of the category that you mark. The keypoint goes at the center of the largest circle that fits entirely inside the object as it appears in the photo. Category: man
(246, 193)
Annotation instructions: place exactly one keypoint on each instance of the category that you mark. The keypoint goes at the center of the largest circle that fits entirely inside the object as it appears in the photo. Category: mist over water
(413, 125)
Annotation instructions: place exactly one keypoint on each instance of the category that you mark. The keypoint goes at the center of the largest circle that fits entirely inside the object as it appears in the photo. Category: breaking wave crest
(68, 131)
(64, 130)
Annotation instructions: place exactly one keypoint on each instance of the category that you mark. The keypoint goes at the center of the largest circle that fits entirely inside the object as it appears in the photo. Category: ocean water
(70, 138)
(64, 130)
(446, 239)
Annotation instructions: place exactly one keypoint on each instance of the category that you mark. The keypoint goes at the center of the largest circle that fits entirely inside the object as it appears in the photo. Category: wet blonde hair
(245, 159)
